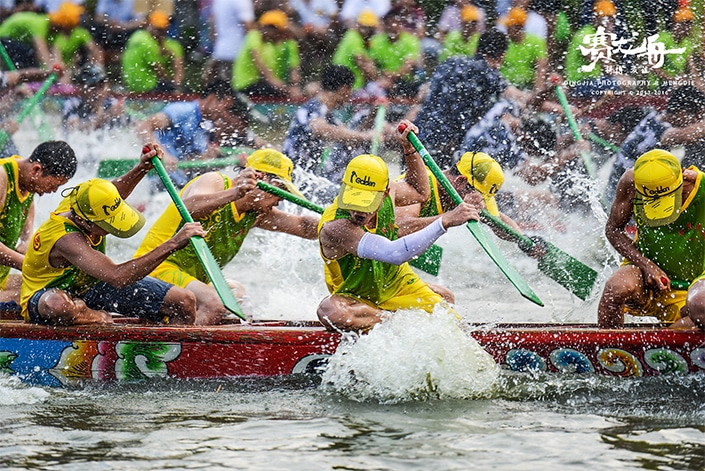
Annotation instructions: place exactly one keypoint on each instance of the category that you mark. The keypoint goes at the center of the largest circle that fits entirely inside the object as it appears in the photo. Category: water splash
(412, 356)
(13, 391)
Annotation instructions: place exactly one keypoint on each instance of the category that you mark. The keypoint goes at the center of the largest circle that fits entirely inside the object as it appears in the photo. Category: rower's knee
(696, 304)
(180, 306)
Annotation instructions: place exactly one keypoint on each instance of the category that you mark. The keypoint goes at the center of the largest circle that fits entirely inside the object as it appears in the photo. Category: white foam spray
(412, 356)
(13, 391)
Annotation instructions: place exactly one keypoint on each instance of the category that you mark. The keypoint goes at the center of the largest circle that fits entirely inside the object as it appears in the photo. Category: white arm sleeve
(396, 252)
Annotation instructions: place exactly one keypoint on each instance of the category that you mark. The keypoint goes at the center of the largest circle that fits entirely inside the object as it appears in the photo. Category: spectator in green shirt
(585, 78)
(353, 51)
(71, 45)
(152, 61)
(24, 36)
(398, 55)
(525, 63)
(463, 42)
(268, 63)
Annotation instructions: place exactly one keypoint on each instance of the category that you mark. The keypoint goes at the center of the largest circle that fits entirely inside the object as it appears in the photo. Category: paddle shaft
(473, 226)
(6, 58)
(285, 195)
(379, 127)
(200, 247)
(587, 159)
(113, 168)
(29, 106)
(679, 284)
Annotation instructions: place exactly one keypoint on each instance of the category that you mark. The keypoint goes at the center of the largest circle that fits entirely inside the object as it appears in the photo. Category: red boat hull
(131, 352)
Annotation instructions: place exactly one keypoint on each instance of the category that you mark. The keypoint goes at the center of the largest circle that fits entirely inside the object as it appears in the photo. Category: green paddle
(679, 284)
(201, 248)
(379, 126)
(587, 158)
(429, 261)
(565, 270)
(113, 168)
(473, 226)
(44, 132)
(29, 107)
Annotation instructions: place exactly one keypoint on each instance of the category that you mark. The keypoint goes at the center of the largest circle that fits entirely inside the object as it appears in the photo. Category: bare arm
(686, 135)
(327, 131)
(615, 232)
(8, 255)
(27, 230)
(146, 129)
(42, 51)
(74, 249)
(297, 225)
(206, 194)
(127, 183)
(339, 237)
(418, 189)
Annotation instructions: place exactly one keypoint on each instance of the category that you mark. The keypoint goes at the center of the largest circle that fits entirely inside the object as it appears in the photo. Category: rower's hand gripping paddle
(210, 265)
(473, 226)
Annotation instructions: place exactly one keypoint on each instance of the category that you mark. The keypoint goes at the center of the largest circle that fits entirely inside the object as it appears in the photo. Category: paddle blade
(212, 269)
(568, 272)
(429, 261)
(498, 258)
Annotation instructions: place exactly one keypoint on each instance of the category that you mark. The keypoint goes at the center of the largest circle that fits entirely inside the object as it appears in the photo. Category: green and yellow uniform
(226, 230)
(390, 56)
(69, 44)
(678, 249)
(13, 213)
(24, 26)
(383, 285)
(37, 272)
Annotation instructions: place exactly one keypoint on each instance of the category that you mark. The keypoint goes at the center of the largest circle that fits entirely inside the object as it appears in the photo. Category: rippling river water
(472, 416)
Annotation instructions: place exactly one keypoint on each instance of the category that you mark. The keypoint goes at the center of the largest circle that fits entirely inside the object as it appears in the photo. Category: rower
(364, 251)
(50, 165)
(66, 277)
(228, 209)
(668, 204)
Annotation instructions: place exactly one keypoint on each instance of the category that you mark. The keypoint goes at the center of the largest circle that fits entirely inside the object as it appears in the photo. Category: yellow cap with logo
(484, 174)
(99, 202)
(277, 164)
(658, 179)
(364, 183)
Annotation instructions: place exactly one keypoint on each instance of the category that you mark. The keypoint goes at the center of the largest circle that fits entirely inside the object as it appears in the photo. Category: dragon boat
(129, 351)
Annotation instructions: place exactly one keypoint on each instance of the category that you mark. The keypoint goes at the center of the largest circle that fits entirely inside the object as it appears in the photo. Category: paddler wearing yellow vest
(66, 277)
(477, 178)
(227, 208)
(668, 204)
(366, 253)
